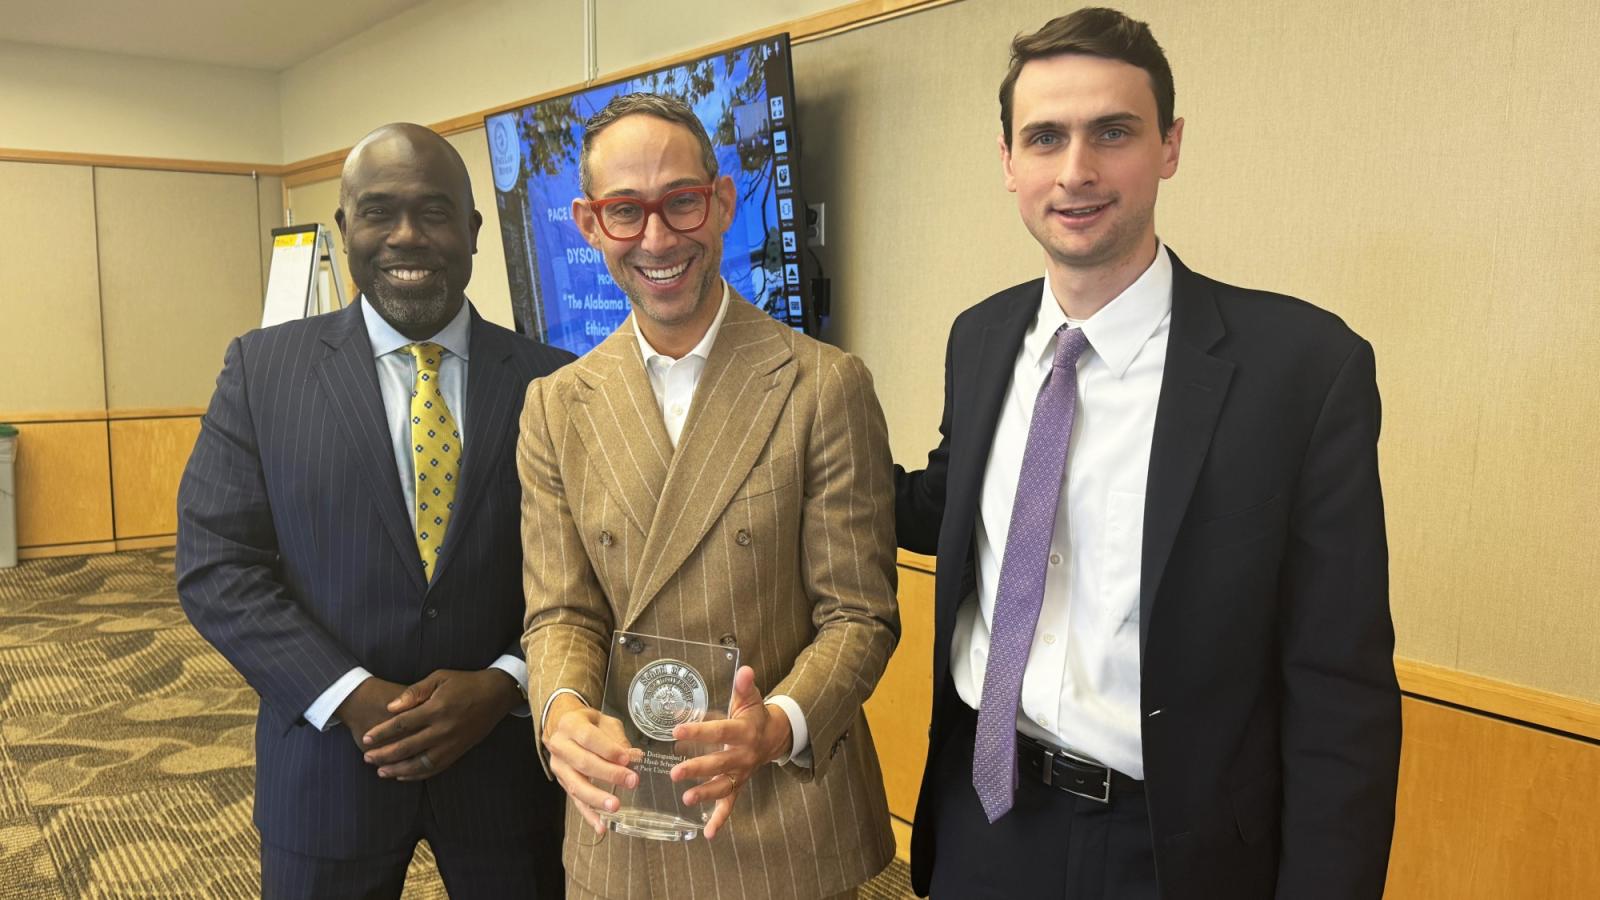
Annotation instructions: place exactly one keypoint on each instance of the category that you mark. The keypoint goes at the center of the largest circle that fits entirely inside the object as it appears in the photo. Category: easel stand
(304, 278)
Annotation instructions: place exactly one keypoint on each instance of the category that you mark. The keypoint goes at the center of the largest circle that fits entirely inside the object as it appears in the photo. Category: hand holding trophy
(656, 686)
(752, 735)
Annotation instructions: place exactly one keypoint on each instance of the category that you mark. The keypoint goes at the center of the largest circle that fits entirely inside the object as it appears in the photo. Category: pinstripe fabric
(772, 527)
(296, 559)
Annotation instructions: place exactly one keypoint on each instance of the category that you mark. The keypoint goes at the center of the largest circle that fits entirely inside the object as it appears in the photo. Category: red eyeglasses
(682, 210)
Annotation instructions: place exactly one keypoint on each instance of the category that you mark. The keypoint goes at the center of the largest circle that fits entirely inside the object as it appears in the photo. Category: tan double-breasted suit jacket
(771, 527)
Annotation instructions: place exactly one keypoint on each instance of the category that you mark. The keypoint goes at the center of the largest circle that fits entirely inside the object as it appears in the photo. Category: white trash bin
(8, 496)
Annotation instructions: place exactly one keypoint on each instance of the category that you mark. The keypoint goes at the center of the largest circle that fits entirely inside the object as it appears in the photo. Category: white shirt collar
(701, 350)
(454, 337)
(1120, 328)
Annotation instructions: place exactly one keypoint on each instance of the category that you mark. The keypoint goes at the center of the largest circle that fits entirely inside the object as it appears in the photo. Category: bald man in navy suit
(378, 613)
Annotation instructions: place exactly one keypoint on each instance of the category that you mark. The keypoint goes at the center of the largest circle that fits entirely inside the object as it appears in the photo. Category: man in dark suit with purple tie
(349, 539)
(1162, 661)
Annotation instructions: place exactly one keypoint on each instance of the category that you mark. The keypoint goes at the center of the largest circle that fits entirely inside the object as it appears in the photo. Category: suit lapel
(615, 414)
(997, 356)
(349, 376)
(491, 403)
(1193, 387)
(741, 393)
(982, 395)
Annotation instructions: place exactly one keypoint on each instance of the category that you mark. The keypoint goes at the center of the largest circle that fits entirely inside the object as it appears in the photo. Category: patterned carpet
(125, 743)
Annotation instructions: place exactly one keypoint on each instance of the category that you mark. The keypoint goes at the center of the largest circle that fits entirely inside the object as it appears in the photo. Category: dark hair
(1093, 31)
(661, 106)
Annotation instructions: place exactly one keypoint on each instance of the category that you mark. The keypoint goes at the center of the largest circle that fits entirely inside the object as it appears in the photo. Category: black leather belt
(1075, 775)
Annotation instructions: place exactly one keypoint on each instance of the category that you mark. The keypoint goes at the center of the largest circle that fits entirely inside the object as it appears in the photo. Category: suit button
(432, 612)
(742, 538)
(605, 538)
(728, 640)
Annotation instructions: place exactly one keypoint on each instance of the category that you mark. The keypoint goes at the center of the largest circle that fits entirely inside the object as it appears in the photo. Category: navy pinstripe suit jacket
(296, 559)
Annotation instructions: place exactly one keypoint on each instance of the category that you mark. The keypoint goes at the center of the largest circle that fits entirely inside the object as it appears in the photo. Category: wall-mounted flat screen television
(561, 292)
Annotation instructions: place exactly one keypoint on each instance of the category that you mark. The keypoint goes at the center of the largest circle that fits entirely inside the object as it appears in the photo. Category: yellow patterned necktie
(435, 454)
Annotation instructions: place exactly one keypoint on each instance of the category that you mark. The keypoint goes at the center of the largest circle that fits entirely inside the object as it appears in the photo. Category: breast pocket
(777, 472)
(1240, 526)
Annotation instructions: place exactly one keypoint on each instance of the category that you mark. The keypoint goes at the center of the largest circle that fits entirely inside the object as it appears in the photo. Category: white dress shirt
(674, 382)
(397, 375)
(1080, 689)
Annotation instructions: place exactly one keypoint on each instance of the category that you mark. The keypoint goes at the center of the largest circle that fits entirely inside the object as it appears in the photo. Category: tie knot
(1070, 344)
(427, 354)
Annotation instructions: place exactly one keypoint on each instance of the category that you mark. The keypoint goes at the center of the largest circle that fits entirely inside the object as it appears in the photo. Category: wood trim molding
(47, 551)
(146, 543)
(113, 161)
(70, 415)
(326, 167)
(101, 415)
(1500, 698)
(156, 412)
(808, 28)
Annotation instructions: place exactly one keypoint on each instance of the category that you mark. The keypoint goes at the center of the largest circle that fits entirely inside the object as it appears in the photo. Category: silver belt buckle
(1049, 768)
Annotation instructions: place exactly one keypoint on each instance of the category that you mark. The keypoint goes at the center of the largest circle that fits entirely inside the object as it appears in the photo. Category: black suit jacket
(1271, 715)
(296, 559)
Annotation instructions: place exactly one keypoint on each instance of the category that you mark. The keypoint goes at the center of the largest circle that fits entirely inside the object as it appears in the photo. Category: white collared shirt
(397, 374)
(1080, 689)
(674, 380)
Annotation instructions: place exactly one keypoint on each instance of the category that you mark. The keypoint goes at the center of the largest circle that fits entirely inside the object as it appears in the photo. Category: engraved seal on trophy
(665, 694)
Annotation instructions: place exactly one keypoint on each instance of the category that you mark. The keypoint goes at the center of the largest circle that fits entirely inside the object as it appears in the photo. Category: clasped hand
(588, 750)
(414, 733)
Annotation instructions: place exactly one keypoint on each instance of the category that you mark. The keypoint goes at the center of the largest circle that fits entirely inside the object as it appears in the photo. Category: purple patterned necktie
(1022, 573)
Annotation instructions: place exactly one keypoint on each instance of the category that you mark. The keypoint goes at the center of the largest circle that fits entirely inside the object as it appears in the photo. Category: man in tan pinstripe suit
(708, 474)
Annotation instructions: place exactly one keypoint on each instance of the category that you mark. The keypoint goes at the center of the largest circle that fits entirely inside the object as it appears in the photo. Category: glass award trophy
(654, 684)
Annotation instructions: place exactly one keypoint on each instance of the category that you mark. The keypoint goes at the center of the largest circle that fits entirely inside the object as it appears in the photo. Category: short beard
(408, 309)
(707, 280)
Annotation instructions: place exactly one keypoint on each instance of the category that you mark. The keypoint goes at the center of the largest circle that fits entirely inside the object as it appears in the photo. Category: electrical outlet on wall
(815, 221)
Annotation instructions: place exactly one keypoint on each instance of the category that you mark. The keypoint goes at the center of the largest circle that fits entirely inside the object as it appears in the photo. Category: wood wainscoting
(1499, 784)
(97, 481)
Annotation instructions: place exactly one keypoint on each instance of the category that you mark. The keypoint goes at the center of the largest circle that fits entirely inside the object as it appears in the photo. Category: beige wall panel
(49, 290)
(180, 275)
(82, 101)
(269, 210)
(147, 460)
(1489, 810)
(898, 709)
(490, 289)
(317, 202)
(1532, 555)
(63, 483)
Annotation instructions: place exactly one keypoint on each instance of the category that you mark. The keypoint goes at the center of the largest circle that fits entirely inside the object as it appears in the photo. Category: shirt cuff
(558, 692)
(800, 755)
(518, 670)
(321, 712)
